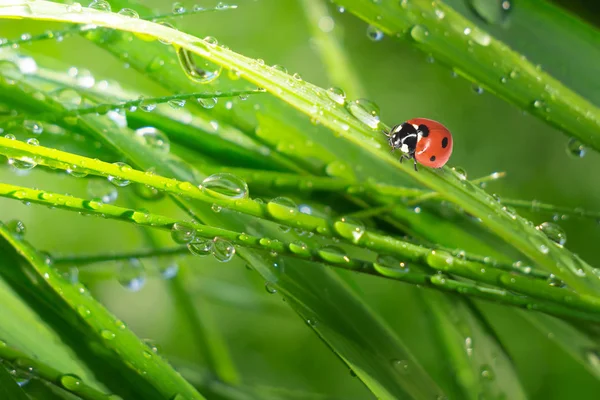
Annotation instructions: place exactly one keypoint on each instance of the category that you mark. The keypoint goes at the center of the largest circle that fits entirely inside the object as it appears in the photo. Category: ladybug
(424, 140)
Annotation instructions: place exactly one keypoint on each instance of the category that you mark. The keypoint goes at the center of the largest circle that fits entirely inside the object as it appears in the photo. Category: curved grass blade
(437, 29)
(313, 101)
(136, 362)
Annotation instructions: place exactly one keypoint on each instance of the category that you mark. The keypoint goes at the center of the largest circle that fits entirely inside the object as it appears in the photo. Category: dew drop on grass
(402, 366)
(282, 208)
(202, 72)
(77, 172)
(575, 148)
(70, 382)
(17, 228)
(333, 254)
(440, 259)
(147, 192)
(101, 5)
(487, 373)
(147, 105)
(593, 358)
(200, 246)
(299, 247)
(477, 89)
(460, 173)
(336, 94)
(22, 163)
(553, 232)
(350, 228)
(176, 104)
(222, 250)
(365, 111)
(120, 182)
(34, 127)
(208, 103)
(102, 191)
(182, 233)
(132, 275)
(128, 12)
(420, 33)
(225, 186)
(168, 269)
(491, 11)
(270, 288)
(374, 33)
(153, 138)
(108, 335)
(74, 8)
(177, 8)
(280, 68)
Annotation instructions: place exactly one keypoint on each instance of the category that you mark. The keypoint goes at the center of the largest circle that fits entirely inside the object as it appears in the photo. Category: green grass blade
(9, 389)
(437, 29)
(99, 325)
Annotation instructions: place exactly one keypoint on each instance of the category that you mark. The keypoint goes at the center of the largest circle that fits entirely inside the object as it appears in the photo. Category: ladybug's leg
(415, 161)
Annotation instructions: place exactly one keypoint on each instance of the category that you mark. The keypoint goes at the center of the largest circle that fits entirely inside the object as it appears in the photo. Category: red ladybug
(424, 140)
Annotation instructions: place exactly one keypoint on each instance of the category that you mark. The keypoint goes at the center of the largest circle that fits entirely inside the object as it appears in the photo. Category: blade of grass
(437, 29)
(159, 378)
(9, 389)
(511, 227)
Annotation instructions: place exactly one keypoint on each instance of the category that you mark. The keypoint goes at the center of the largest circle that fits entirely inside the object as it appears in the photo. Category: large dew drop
(132, 275)
(222, 250)
(205, 72)
(575, 148)
(182, 233)
(337, 95)
(491, 11)
(350, 229)
(101, 5)
(282, 208)
(333, 254)
(365, 111)
(225, 186)
(153, 138)
(121, 182)
(200, 246)
(373, 33)
(419, 33)
(553, 232)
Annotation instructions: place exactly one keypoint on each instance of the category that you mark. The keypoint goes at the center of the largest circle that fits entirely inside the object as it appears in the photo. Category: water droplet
(108, 335)
(153, 138)
(74, 8)
(477, 89)
(440, 259)
(225, 186)
(176, 104)
(147, 105)
(222, 250)
(575, 148)
(177, 8)
(102, 191)
(208, 103)
(299, 247)
(120, 182)
(282, 208)
(460, 173)
(78, 172)
(168, 269)
(553, 232)
(374, 33)
(200, 246)
(17, 228)
(350, 229)
(365, 111)
(23, 163)
(132, 275)
(469, 346)
(182, 233)
(70, 382)
(492, 12)
(128, 12)
(216, 208)
(202, 72)
(280, 68)
(487, 373)
(337, 95)
(101, 5)
(34, 127)
(270, 288)
(333, 254)
(420, 33)
(402, 366)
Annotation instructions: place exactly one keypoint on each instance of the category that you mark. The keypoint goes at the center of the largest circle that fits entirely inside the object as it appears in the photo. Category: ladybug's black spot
(424, 130)
(432, 158)
(445, 142)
